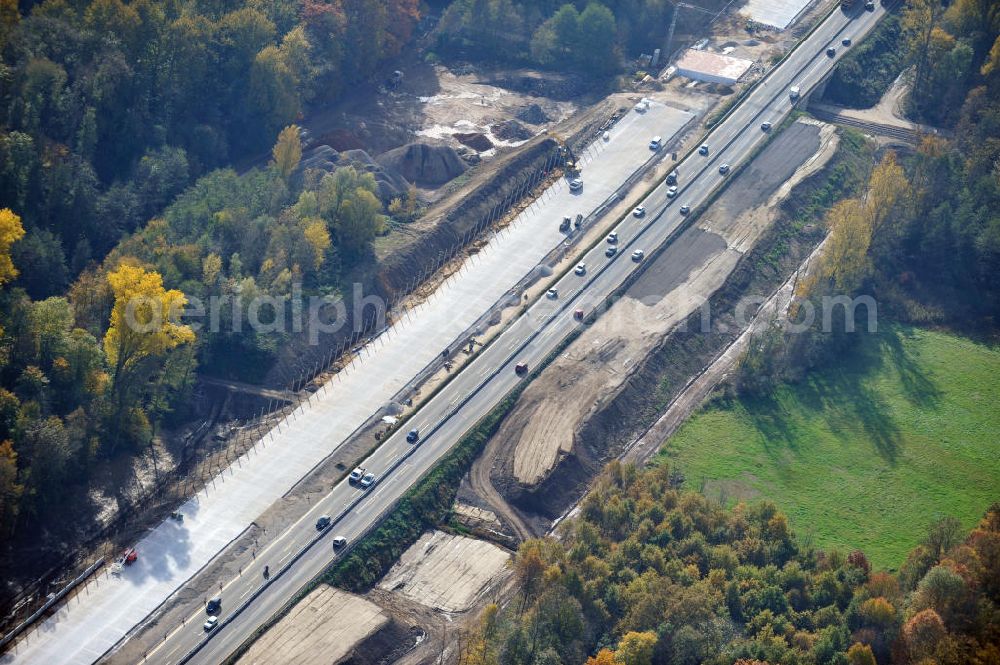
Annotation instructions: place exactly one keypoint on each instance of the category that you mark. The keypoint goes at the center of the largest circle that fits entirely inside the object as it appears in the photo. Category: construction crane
(673, 20)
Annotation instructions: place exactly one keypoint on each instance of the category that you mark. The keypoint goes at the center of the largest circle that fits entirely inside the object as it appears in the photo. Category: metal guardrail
(51, 602)
(911, 135)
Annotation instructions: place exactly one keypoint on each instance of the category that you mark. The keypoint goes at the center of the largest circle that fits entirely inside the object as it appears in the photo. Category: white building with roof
(712, 67)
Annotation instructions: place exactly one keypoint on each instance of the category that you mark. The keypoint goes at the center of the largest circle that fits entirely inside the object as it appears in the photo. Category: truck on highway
(794, 92)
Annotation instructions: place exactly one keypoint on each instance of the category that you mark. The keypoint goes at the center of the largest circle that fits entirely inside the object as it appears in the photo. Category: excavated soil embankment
(610, 421)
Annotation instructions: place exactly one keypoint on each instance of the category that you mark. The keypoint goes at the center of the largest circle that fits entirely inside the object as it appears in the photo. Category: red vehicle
(129, 556)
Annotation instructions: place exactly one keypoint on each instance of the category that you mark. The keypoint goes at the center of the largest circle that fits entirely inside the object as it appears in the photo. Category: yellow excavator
(569, 159)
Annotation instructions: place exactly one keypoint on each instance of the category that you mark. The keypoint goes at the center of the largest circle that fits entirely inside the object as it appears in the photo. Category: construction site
(478, 148)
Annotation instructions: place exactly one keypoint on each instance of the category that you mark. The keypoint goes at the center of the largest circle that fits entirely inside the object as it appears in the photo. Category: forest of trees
(109, 109)
(647, 573)
(936, 236)
(924, 236)
(589, 36)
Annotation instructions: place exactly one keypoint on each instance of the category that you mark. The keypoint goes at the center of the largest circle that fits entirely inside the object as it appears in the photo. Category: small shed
(712, 67)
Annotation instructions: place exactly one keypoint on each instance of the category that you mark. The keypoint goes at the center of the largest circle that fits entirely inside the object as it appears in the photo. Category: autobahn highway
(301, 553)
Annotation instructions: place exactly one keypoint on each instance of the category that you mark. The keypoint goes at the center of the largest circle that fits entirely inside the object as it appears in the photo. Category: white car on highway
(581, 269)
(367, 481)
(639, 211)
(637, 255)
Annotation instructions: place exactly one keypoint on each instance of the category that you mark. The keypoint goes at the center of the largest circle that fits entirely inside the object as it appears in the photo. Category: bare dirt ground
(435, 103)
(542, 428)
(325, 627)
(889, 112)
(447, 573)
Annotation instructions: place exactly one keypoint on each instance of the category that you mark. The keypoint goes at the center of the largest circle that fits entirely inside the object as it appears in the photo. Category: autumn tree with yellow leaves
(10, 232)
(287, 152)
(855, 226)
(143, 328)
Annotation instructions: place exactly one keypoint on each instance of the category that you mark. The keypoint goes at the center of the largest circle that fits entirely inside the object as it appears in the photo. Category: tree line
(923, 236)
(70, 397)
(117, 122)
(590, 37)
(648, 573)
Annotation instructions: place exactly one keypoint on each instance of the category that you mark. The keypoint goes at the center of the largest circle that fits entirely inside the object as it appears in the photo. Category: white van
(793, 92)
(655, 143)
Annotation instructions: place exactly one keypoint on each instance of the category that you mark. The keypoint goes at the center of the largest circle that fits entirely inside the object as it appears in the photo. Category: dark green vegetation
(647, 573)
(952, 47)
(109, 109)
(924, 238)
(939, 257)
(946, 250)
(907, 413)
(587, 36)
(864, 74)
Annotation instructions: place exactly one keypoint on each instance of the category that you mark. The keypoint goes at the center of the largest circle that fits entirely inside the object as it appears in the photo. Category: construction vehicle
(568, 157)
(126, 558)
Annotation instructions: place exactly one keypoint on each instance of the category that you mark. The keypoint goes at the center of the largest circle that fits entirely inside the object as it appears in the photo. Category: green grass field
(867, 452)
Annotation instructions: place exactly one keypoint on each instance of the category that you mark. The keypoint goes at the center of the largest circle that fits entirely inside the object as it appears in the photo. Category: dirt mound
(390, 183)
(341, 139)
(475, 140)
(423, 164)
(533, 114)
(511, 130)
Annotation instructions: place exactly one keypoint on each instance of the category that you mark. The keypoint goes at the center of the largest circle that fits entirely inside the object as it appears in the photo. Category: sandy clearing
(543, 425)
(448, 573)
(322, 629)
